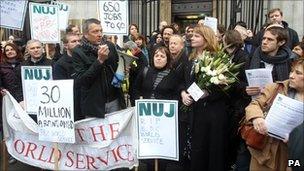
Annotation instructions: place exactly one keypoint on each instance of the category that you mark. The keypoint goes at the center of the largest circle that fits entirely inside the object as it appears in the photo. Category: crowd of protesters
(208, 134)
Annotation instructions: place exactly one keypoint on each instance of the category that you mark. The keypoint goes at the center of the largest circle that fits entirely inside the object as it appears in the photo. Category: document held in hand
(284, 115)
(259, 77)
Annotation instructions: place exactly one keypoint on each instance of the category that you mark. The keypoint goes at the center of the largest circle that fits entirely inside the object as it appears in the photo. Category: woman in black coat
(10, 61)
(157, 82)
(210, 118)
(9, 80)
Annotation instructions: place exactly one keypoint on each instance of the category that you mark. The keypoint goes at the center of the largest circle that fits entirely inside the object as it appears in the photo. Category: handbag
(253, 138)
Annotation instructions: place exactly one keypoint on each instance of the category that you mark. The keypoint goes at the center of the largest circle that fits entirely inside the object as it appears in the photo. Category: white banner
(114, 16)
(44, 22)
(56, 111)
(157, 129)
(30, 75)
(101, 144)
(64, 11)
(12, 14)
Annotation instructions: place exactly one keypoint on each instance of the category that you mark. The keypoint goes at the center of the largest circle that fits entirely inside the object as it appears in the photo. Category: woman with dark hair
(142, 44)
(133, 33)
(157, 82)
(10, 60)
(299, 50)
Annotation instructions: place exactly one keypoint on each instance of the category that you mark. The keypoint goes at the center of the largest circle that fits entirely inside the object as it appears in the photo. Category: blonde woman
(209, 117)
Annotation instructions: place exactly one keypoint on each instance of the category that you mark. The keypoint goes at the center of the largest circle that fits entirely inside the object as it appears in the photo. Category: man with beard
(273, 54)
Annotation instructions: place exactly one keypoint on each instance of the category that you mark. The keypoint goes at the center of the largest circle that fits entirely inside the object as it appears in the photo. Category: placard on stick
(56, 111)
(114, 16)
(157, 129)
(44, 22)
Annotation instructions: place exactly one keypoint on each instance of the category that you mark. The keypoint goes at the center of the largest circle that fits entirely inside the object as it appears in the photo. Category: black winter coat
(63, 68)
(9, 79)
(164, 90)
(95, 80)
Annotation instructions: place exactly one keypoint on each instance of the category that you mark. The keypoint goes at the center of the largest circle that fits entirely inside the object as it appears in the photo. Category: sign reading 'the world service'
(157, 129)
(12, 14)
(44, 23)
(114, 16)
(55, 115)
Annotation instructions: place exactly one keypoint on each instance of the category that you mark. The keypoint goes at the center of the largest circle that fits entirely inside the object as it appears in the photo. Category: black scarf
(280, 62)
(89, 46)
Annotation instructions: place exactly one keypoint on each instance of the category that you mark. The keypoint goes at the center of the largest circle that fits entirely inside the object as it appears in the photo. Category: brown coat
(274, 155)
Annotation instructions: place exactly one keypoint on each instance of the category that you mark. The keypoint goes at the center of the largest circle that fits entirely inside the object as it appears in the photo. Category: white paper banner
(114, 16)
(44, 22)
(101, 144)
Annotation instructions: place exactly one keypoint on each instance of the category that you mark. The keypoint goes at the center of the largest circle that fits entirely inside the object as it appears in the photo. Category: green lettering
(171, 111)
(160, 108)
(144, 108)
(37, 9)
(28, 74)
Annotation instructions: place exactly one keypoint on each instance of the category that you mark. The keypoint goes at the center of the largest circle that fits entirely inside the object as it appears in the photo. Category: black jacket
(164, 90)
(9, 79)
(63, 68)
(95, 80)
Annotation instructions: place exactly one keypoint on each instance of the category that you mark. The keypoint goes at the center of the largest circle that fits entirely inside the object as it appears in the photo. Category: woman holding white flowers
(209, 117)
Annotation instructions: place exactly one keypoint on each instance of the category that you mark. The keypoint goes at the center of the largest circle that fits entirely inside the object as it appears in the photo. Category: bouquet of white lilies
(215, 69)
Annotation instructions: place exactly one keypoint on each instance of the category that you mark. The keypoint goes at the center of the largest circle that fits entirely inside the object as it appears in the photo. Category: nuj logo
(44, 10)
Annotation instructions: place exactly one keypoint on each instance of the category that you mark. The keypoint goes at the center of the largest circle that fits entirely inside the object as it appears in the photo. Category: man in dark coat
(37, 57)
(95, 63)
(276, 16)
(272, 54)
(63, 69)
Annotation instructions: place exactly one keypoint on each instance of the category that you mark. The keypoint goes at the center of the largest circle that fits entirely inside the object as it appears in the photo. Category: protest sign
(157, 129)
(30, 75)
(12, 14)
(114, 16)
(64, 11)
(56, 111)
(101, 144)
(212, 23)
(44, 22)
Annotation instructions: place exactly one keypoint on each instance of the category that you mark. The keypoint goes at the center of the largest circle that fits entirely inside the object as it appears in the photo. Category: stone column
(165, 11)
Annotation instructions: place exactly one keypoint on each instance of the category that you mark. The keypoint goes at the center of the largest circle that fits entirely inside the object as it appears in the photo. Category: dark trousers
(209, 139)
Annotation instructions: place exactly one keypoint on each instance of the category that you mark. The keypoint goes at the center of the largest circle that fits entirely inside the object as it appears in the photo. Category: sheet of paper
(259, 77)
(284, 115)
(195, 92)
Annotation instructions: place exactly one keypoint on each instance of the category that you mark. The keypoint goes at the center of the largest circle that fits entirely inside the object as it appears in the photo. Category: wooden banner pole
(156, 164)
(47, 51)
(4, 156)
(56, 156)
